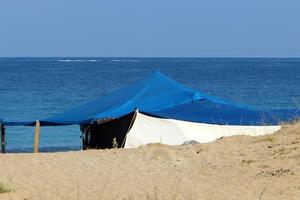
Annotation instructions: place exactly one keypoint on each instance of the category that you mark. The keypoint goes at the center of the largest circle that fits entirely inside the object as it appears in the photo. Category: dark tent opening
(109, 134)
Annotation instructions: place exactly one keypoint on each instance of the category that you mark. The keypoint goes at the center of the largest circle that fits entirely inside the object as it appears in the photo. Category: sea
(35, 88)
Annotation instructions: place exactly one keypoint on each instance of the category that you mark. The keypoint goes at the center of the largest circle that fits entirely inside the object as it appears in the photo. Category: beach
(238, 167)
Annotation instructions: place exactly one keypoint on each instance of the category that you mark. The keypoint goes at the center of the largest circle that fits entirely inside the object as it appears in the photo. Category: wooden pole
(37, 137)
(2, 138)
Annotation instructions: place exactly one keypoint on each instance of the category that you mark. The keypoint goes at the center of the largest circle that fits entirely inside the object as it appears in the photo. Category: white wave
(64, 60)
(78, 60)
(126, 60)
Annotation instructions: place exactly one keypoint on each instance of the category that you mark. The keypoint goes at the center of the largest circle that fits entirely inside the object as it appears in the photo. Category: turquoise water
(34, 88)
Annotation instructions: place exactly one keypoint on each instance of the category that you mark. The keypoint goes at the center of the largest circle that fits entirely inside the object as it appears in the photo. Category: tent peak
(157, 73)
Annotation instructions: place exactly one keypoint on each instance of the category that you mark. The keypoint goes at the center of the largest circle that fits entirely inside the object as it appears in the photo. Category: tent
(159, 107)
(147, 129)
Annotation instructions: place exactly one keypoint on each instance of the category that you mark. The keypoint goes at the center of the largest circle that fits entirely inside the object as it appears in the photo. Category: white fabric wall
(148, 129)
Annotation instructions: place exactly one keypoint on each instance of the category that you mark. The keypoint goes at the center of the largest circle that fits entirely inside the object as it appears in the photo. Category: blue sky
(156, 28)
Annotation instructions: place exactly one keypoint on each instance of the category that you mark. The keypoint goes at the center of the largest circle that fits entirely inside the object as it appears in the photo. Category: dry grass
(4, 188)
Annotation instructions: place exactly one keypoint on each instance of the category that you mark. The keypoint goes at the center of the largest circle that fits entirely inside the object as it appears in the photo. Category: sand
(238, 167)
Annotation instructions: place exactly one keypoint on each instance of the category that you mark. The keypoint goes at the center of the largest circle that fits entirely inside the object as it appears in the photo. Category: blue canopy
(160, 96)
(211, 112)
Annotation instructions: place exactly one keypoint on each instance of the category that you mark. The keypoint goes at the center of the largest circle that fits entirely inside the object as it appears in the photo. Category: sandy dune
(237, 167)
